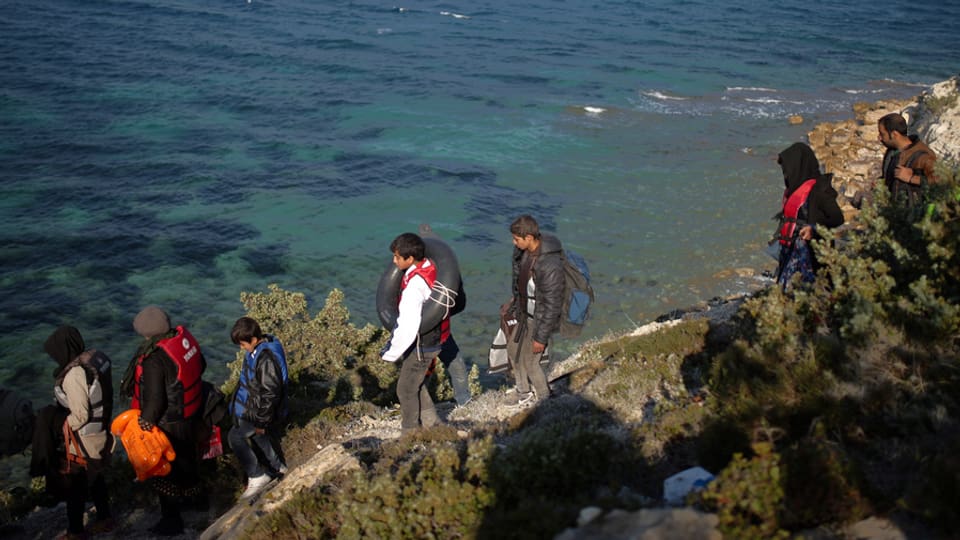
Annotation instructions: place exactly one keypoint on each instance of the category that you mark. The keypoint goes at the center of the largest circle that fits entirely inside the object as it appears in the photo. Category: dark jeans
(416, 406)
(245, 443)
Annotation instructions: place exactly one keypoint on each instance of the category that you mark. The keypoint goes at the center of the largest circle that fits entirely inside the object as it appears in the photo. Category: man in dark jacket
(259, 404)
(536, 305)
(908, 162)
(164, 382)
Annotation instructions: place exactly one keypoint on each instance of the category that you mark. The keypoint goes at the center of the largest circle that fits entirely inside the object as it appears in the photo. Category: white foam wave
(772, 101)
(749, 89)
(454, 15)
(593, 110)
(864, 91)
(660, 95)
(905, 83)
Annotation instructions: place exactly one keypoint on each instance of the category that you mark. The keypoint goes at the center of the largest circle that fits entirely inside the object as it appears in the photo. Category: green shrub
(439, 492)
(326, 350)
(748, 495)
(822, 485)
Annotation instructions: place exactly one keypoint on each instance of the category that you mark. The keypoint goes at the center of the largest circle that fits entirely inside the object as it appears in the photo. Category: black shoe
(168, 527)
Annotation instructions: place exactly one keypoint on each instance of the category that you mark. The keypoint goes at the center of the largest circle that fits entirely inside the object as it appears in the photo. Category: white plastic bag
(498, 354)
(676, 488)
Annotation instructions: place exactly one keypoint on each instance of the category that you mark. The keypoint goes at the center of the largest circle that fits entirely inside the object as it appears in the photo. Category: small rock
(795, 119)
(587, 515)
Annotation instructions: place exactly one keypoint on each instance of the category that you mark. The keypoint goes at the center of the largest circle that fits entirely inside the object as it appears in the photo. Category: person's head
(892, 130)
(63, 345)
(408, 249)
(799, 164)
(246, 333)
(151, 322)
(525, 232)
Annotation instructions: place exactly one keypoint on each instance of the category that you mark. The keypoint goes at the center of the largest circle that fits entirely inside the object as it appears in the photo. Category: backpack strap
(919, 172)
(72, 460)
(915, 193)
(913, 158)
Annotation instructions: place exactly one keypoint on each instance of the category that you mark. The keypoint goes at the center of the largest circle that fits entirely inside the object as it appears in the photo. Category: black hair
(409, 245)
(525, 225)
(894, 122)
(245, 329)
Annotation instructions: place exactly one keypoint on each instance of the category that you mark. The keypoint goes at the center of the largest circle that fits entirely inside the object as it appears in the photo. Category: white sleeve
(408, 322)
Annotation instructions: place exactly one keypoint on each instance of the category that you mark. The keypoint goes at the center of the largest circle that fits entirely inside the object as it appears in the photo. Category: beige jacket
(78, 401)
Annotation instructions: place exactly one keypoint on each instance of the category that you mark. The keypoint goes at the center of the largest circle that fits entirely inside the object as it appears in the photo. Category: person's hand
(806, 233)
(904, 174)
(144, 424)
(259, 431)
(538, 347)
(383, 351)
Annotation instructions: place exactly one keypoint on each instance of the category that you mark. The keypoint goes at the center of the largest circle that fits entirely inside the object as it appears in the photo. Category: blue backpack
(577, 294)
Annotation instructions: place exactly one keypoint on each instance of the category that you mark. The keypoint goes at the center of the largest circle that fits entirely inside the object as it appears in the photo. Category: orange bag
(149, 452)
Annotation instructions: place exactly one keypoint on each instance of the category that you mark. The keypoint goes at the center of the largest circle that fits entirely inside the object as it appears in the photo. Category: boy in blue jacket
(259, 404)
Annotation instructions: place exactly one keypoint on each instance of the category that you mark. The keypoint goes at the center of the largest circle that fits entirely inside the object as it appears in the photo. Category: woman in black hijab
(83, 392)
(809, 205)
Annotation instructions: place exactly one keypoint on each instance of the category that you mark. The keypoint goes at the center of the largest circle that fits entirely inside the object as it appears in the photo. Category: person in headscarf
(164, 382)
(84, 390)
(809, 206)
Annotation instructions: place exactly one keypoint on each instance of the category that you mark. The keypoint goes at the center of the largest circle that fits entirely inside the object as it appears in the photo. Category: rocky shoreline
(849, 149)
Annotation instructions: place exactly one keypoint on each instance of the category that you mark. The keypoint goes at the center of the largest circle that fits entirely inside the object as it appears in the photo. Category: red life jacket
(791, 209)
(428, 271)
(183, 349)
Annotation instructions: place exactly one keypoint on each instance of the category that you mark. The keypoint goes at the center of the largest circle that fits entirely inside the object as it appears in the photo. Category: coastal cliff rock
(851, 150)
(936, 118)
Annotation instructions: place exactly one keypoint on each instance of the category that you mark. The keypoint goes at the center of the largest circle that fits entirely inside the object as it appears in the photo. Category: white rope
(447, 297)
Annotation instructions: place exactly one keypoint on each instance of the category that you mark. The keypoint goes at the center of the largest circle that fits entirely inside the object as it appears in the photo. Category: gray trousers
(526, 365)
(416, 406)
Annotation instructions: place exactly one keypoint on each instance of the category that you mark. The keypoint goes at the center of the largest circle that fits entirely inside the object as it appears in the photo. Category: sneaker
(255, 485)
(526, 399)
(282, 471)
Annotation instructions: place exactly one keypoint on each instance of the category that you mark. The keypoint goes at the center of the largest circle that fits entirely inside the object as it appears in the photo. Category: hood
(799, 164)
(550, 244)
(63, 345)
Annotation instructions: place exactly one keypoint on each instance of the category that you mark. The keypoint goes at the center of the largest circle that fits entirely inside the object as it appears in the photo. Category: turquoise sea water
(177, 152)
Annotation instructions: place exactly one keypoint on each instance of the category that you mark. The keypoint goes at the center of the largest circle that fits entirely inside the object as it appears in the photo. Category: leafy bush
(821, 484)
(327, 350)
(748, 495)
